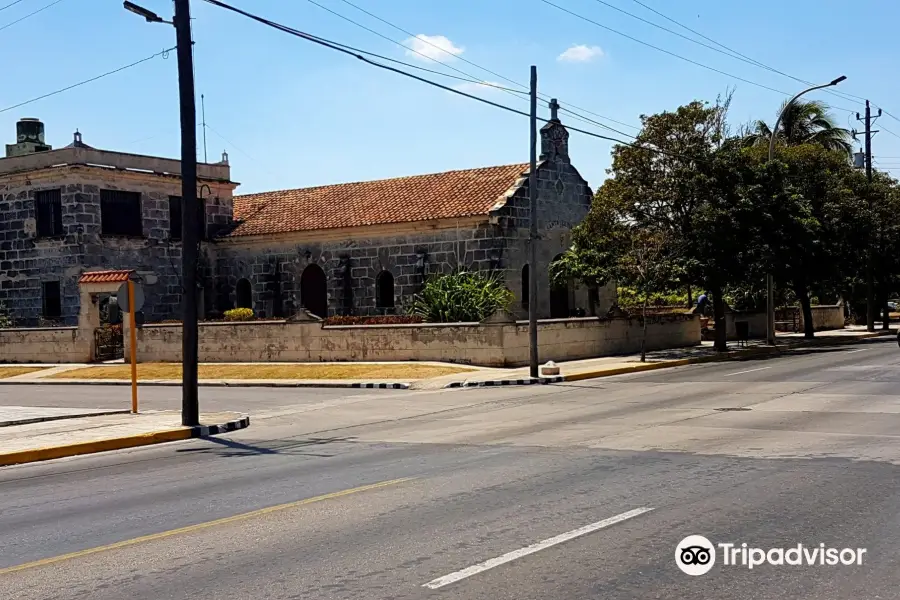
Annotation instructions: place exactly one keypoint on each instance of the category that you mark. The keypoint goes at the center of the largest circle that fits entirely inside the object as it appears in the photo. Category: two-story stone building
(356, 248)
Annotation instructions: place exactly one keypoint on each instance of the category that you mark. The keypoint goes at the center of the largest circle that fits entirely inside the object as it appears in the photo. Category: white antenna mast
(203, 111)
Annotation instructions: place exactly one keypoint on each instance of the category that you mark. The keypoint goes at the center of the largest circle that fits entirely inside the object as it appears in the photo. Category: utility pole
(190, 251)
(190, 408)
(870, 258)
(533, 235)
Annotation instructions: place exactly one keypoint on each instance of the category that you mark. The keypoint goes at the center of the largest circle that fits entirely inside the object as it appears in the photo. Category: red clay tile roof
(105, 276)
(447, 195)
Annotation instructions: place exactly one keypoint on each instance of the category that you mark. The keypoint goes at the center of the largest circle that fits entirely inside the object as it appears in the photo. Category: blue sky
(292, 114)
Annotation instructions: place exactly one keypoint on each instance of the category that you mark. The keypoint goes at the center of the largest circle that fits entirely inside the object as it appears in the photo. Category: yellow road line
(201, 526)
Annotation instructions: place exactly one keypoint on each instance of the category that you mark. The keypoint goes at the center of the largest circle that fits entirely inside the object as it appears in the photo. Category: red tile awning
(105, 276)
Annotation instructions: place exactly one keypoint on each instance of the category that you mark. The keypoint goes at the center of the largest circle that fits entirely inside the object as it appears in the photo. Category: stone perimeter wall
(46, 345)
(490, 345)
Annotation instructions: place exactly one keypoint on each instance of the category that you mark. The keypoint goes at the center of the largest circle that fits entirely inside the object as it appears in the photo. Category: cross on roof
(554, 108)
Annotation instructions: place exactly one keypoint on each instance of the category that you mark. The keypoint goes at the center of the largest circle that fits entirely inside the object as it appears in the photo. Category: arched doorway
(243, 294)
(384, 290)
(314, 291)
(559, 298)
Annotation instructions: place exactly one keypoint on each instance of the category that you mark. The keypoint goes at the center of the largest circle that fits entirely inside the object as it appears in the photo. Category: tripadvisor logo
(696, 555)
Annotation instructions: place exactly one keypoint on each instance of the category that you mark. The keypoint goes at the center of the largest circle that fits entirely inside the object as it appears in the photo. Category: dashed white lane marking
(858, 350)
(748, 371)
(537, 547)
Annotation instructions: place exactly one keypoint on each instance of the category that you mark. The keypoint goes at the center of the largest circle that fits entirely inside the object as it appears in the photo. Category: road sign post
(133, 340)
(130, 298)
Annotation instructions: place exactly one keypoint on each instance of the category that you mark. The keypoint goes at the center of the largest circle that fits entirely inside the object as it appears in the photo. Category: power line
(335, 46)
(886, 130)
(28, 15)
(837, 93)
(2, 8)
(465, 60)
(471, 78)
(721, 50)
(673, 54)
(393, 41)
(163, 53)
(888, 114)
(735, 53)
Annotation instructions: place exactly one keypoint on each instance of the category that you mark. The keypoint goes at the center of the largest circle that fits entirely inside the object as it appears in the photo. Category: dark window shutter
(174, 217)
(120, 213)
(48, 212)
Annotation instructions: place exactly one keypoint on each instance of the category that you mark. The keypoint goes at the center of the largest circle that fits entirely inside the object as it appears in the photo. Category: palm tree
(803, 123)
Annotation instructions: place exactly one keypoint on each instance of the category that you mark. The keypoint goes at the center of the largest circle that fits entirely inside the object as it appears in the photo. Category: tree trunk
(690, 302)
(721, 344)
(809, 330)
(644, 332)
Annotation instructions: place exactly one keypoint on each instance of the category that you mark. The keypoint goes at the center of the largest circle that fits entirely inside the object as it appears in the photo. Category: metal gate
(109, 343)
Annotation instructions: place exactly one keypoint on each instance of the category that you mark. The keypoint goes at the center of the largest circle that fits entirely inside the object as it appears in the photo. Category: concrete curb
(120, 443)
(62, 417)
(640, 367)
(379, 385)
(502, 382)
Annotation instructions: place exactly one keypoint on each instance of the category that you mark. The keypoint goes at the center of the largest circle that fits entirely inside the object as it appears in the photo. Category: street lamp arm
(789, 103)
(149, 15)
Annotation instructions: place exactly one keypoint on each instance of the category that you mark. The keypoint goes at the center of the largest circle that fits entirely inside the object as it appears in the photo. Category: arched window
(526, 286)
(384, 290)
(244, 293)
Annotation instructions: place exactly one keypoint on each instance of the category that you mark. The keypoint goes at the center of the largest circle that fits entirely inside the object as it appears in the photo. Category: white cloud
(581, 53)
(471, 87)
(437, 47)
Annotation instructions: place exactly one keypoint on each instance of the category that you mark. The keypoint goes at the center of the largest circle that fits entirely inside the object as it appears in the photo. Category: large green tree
(661, 186)
(818, 217)
(803, 122)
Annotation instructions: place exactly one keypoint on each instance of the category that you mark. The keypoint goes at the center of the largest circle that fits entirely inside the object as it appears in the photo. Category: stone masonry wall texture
(490, 345)
(274, 265)
(27, 260)
(498, 243)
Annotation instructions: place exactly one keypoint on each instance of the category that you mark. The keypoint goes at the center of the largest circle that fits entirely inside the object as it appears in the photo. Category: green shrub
(239, 314)
(5, 319)
(631, 298)
(461, 296)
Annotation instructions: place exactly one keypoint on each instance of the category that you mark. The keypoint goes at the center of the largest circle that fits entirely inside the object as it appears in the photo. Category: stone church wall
(27, 260)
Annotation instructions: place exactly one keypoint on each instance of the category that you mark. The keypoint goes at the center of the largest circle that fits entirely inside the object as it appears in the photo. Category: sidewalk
(608, 366)
(569, 371)
(387, 375)
(70, 432)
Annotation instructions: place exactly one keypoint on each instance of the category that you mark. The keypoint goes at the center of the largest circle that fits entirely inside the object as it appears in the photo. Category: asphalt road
(212, 399)
(810, 456)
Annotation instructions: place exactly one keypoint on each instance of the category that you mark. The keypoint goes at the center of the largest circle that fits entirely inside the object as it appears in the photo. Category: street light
(770, 287)
(791, 101)
(190, 409)
(140, 11)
